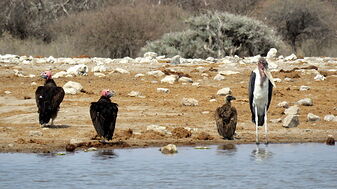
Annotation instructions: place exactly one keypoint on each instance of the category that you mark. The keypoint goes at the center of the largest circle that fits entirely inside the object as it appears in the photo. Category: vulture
(103, 114)
(260, 91)
(226, 119)
(48, 99)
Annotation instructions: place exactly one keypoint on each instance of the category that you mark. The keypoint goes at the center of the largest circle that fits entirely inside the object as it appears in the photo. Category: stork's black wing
(103, 116)
(251, 94)
(270, 93)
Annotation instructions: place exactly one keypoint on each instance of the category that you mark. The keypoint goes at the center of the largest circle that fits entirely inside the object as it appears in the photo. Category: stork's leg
(52, 122)
(256, 127)
(265, 124)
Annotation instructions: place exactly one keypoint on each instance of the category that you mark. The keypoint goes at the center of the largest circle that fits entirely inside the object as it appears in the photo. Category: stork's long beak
(269, 76)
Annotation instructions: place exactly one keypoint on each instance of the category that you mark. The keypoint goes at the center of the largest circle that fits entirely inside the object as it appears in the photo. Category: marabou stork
(260, 93)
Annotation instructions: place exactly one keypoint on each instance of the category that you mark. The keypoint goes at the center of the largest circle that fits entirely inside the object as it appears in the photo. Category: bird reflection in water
(105, 154)
(261, 154)
(227, 149)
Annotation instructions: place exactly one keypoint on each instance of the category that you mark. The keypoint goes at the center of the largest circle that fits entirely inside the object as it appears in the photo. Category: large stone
(169, 79)
(319, 77)
(72, 87)
(272, 53)
(224, 91)
(190, 102)
(292, 110)
(78, 70)
(305, 102)
(330, 118)
(100, 68)
(283, 104)
(219, 77)
(169, 149)
(185, 79)
(291, 121)
(312, 117)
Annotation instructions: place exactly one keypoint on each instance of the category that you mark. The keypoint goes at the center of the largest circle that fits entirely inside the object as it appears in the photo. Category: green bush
(218, 35)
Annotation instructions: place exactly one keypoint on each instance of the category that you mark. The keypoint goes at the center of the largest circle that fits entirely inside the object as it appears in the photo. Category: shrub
(217, 35)
(119, 30)
(307, 25)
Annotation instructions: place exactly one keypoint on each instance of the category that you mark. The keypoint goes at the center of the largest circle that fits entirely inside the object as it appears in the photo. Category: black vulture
(226, 119)
(48, 99)
(260, 91)
(103, 115)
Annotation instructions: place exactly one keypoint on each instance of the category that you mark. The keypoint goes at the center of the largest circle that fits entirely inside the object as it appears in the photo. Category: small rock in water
(91, 149)
(304, 88)
(312, 117)
(283, 104)
(190, 102)
(291, 121)
(169, 149)
(330, 140)
(305, 102)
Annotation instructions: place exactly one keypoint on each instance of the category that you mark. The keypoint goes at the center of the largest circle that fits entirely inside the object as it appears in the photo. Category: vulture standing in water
(260, 91)
(48, 99)
(226, 119)
(103, 115)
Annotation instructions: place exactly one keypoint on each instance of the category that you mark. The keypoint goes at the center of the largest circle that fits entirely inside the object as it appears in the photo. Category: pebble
(305, 102)
(283, 104)
(190, 102)
(291, 121)
(169, 149)
(224, 91)
(312, 117)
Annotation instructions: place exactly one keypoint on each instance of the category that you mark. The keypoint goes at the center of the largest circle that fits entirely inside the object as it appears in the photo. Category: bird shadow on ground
(56, 126)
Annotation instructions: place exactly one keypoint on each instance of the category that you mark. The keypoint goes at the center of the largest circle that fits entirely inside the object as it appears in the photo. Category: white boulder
(224, 91)
(169, 79)
(304, 88)
(169, 149)
(305, 102)
(156, 73)
(185, 79)
(121, 71)
(290, 57)
(312, 117)
(292, 110)
(60, 74)
(190, 102)
(283, 104)
(291, 121)
(272, 53)
(72, 87)
(319, 77)
(330, 118)
(78, 70)
(219, 77)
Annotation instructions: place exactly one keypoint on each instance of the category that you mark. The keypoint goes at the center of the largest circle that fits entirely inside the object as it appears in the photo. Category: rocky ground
(149, 116)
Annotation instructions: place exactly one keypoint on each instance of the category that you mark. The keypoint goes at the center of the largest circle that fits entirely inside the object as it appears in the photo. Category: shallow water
(308, 165)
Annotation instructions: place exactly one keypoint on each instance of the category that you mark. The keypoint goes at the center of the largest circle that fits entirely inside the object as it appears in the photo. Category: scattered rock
(330, 118)
(169, 79)
(169, 149)
(181, 132)
(139, 75)
(134, 94)
(97, 74)
(291, 121)
(312, 117)
(156, 73)
(60, 74)
(35, 133)
(78, 70)
(292, 110)
(290, 57)
(185, 79)
(283, 104)
(304, 88)
(91, 149)
(190, 102)
(228, 72)
(8, 92)
(277, 80)
(33, 83)
(212, 100)
(219, 77)
(224, 91)
(319, 77)
(121, 71)
(70, 147)
(72, 87)
(100, 68)
(159, 129)
(288, 79)
(330, 140)
(305, 102)
(176, 60)
(163, 90)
